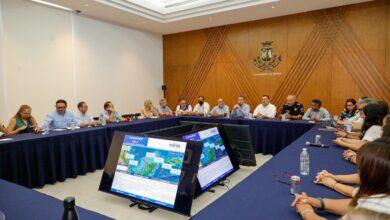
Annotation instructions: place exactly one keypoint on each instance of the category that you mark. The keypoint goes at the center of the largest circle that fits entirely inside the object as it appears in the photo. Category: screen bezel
(236, 165)
(183, 203)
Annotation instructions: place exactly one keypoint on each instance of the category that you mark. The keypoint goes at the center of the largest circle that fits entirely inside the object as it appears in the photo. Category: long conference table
(33, 160)
(260, 196)
(18, 202)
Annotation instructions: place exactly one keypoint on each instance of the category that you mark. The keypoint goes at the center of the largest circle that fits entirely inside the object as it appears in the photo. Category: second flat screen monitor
(215, 163)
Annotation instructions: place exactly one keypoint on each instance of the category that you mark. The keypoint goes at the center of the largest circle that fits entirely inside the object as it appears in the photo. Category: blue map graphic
(151, 163)
(213, 148)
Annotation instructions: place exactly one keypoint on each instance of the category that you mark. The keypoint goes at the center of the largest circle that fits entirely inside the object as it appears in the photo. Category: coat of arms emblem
(267, 61)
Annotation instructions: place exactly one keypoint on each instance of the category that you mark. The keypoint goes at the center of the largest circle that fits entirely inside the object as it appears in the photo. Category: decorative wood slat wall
(331, 54)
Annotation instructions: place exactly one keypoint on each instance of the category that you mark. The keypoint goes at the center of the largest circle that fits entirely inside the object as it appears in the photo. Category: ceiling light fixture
(86, 5)
(51, 5)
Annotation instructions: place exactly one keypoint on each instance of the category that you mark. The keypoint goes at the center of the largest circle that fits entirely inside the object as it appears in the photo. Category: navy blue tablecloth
(17, 202)
(269, 136)
(260, 196)
(142, 125)
(212, 120)
(33, 160)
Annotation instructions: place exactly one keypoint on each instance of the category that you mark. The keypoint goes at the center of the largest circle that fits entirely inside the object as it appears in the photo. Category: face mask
(200, 102)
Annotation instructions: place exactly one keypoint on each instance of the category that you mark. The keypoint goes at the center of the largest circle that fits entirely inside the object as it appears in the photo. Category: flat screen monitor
(156, 171)
(199, 125)
(240, 140)
(216, 162)
(171, 131)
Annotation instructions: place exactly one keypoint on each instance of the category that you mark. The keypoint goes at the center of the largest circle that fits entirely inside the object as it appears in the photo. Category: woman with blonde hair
(22, 122)
(2, 128)
(148, 111)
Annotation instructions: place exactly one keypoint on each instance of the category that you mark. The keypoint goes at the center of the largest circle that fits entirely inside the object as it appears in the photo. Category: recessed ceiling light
(51, 5)
(273, 7)
(86, 5)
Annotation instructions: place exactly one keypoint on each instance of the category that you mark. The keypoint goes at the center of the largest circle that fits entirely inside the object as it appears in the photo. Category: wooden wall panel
(331, 54)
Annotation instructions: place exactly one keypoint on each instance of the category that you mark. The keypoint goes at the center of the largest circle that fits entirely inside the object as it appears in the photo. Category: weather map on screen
(214, 161)
(149, 169)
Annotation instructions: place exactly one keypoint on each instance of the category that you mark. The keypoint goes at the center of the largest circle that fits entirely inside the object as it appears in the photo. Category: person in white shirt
(221, 110)
(357, 120)
(265, 109)
(183, 109)
(202, 108)
(370, 201)
(83, 118)
(371, 129)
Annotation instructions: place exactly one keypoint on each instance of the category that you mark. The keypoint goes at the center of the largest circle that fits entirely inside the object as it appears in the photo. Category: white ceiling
(172, 16)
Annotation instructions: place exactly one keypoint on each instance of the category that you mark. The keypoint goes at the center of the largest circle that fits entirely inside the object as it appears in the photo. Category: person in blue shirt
(241, 109)
(60, 118)
(110, 115)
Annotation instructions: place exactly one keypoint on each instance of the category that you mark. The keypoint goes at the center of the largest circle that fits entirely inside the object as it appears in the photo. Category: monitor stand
(220, 183)
(142, 206)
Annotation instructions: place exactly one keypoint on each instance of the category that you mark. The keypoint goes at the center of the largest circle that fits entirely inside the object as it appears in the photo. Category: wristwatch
(322, 204)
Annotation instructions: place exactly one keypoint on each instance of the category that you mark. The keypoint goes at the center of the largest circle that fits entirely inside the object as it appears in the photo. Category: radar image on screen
(214, 163)
(213, 150)
(149, 169)
(152, 163)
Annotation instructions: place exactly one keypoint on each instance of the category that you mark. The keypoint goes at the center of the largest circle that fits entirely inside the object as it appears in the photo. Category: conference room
(194, 109)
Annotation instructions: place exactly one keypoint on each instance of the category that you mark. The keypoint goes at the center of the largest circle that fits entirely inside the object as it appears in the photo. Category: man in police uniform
(292, 109)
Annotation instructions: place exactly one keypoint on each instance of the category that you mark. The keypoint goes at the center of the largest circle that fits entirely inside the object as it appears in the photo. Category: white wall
(3, 102)
(119, 64)
(51, 54)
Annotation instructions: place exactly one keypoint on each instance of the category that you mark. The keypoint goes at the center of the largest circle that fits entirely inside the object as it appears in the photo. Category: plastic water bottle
(102, 120)
(46, 130)
(305, 162)
(69, 209)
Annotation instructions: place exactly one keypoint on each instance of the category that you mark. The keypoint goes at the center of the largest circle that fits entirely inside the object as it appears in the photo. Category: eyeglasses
(286, 174)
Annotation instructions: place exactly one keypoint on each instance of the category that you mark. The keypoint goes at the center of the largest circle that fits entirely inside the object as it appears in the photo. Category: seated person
(183, 109)
(2, 128)
(292, 109)
(357, 120)
(202, 108)
(350, 110)
(316, 112)
(371, 129)
(370, 201)
(356, 134)
(386, 127)
(221, 110)
(110, 115)
(22, 122)
(241, 109)
(265, 109)
(83, 118)
(60, 118)
(335, 182)
(350, 155)
(163, 109)
(148, 111)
